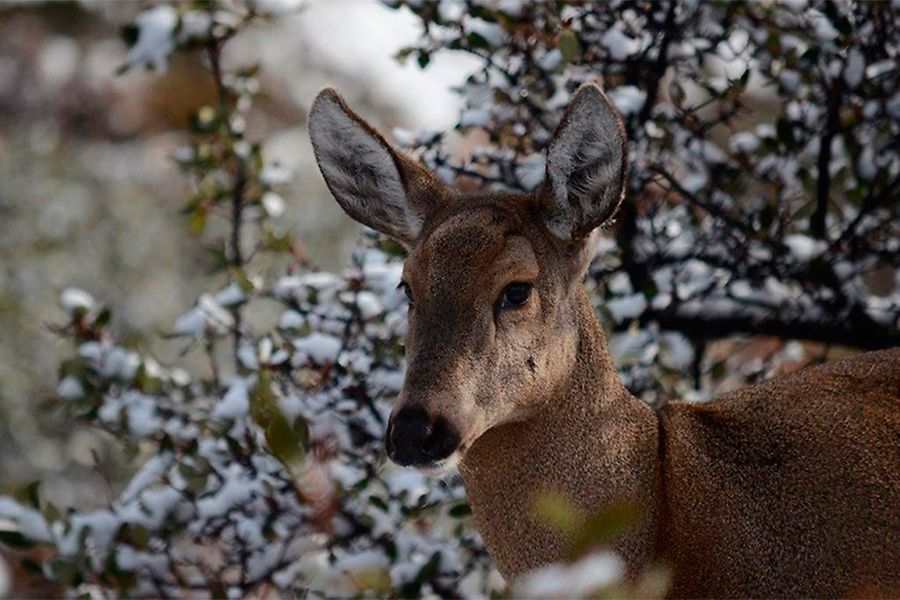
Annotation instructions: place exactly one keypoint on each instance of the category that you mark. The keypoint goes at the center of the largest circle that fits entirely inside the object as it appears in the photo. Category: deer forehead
(471, 251)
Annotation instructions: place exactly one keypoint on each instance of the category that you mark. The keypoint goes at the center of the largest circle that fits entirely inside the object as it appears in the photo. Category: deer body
(752, 495)
(788, 488)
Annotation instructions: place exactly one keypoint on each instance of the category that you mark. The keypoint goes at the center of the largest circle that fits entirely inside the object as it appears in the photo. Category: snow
(141, 410)
(628, 307)
(273, 204)
(5, 579)
(581, 579)
(290, 319)
(822, 27)
(677, 350)
(321, 348)
(195, 25)
(155, 41)
(369, 305)
(628, 99)
(30, 522)
(273, 175)
(361, 562)
(531, 171)
(493, 33)
(475, 117)
(277, 7)
(74, 300)
(70, 388)
(231, 295)
(694, 182)
(109, 360)
(237, 489)
(789, 80)
(551, 60)
(208, 315)
(450, 11)
(804, 248)
(744, 142)
(620, 46)
(235, 403)
(854, 70)
(410, 482)
(149, 473)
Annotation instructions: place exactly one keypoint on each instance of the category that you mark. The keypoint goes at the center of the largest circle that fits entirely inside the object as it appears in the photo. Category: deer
(786, 488)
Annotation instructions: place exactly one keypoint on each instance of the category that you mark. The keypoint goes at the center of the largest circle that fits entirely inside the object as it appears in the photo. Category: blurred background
(761, 232)
(90, 198)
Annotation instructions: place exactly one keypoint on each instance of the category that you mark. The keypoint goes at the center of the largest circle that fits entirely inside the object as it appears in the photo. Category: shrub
(746, 215)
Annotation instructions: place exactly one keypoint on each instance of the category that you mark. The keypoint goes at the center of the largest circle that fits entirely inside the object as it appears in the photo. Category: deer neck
(592, 442)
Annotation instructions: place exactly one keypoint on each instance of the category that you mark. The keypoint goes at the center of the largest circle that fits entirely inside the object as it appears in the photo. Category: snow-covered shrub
(764, 163)
(264, 473)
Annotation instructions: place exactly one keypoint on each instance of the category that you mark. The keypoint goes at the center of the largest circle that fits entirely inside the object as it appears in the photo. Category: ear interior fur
(586, 164)
(370, 180)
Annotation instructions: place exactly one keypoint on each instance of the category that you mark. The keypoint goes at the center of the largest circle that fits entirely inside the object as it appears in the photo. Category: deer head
(491, 278)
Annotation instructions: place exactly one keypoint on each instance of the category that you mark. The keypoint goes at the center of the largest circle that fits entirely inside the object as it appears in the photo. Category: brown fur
(788, 488)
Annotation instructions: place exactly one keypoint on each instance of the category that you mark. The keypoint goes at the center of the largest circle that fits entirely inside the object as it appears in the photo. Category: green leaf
(570, 46)
(51, 513)
(477, 41)
(276, 242)
(429, 570)
(31, 566)
(136, 535)
(460, 510)
(557, 512)
(391, 247)
(379, 502)
(242, 280)
(284, 441)
(30, 494)
(14, 539)
(605, 526)
(129, 34)
(197, 222)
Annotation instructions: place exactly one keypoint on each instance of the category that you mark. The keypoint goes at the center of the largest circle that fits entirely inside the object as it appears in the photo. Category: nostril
(442, 441)
(412, 438)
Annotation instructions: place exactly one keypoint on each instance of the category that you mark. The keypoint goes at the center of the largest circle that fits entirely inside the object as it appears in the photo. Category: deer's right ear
(372, 182)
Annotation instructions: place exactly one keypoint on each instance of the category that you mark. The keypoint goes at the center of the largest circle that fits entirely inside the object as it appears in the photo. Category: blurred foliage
(261, 471)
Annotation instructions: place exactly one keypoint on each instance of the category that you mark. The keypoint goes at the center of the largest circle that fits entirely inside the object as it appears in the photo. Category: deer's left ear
(586, 166)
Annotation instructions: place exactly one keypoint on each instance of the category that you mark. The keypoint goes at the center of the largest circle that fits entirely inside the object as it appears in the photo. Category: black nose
(413, 439)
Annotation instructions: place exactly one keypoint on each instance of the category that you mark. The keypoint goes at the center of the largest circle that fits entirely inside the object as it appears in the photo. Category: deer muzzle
(416, 439)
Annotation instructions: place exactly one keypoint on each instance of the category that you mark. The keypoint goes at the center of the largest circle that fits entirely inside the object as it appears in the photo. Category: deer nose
(414, 439)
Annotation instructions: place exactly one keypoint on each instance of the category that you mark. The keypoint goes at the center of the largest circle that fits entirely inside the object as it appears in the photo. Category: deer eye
(515, 295)
(406, 291)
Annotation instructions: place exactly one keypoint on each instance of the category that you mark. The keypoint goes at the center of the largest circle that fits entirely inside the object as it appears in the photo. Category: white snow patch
(321, 348)
(235, 403)
(854, 70)
(70, 389)
(804, 248)
(628, 99)
(581, 579)
(155, 41)
(620, 46)
(74, 300)
(628, 307)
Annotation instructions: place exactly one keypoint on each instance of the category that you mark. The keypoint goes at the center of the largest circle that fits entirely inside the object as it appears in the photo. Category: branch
(823, 179)
(857, 329)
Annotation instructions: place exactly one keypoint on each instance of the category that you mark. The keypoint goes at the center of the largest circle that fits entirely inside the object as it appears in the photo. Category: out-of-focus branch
(856, 330)
(823, 179)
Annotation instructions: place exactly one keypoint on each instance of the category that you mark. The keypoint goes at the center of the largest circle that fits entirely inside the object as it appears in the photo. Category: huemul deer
(788, 488)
